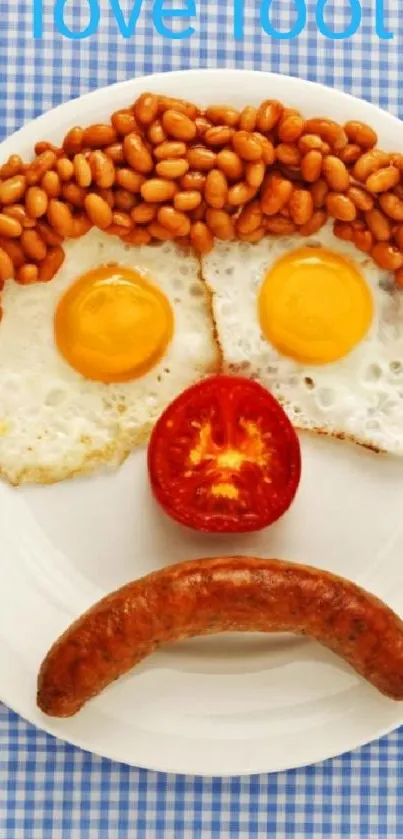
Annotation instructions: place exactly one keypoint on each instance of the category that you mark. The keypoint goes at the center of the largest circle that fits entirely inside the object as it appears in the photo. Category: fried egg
(321, 326)
(90, 360)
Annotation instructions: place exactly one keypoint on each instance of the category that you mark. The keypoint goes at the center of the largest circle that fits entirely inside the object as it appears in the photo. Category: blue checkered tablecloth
(52, 790)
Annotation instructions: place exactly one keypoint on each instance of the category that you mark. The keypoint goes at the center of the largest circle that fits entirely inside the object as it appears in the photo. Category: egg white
(360, 396)
(54, 423)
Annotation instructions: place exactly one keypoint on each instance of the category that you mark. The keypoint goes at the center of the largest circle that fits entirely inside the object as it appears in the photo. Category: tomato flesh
(224, 457)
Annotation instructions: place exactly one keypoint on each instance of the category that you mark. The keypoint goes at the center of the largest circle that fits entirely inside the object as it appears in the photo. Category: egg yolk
(314, 306)
(113, 325)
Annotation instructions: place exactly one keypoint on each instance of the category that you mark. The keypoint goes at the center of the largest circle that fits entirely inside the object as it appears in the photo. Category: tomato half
(224, 457)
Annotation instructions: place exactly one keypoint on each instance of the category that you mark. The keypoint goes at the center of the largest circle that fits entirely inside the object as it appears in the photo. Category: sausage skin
(223, 594)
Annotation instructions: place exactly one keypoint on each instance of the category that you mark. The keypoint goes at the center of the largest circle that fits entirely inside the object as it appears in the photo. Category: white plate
(225, 705)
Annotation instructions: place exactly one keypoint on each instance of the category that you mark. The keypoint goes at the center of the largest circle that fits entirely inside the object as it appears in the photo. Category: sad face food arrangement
(209, 281)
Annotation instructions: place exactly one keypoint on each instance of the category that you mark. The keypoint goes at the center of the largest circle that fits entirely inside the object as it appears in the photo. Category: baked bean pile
(163, 169)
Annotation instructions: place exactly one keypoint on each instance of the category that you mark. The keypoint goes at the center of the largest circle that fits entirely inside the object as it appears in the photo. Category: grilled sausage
(209, 596)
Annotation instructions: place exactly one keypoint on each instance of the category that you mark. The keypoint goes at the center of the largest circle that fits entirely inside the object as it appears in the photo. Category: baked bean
(138, 236)
(268, 115)
(268, 152)
(397, 160)
(363, 240)
(115, 152)
(240, 194)
(290, 128)
(81, 225)
(7, 268)
(121, 219)
(10, 227)
(124, 200)
(82, 170)
(174, 220)
(201, 158)
(137, 154)
(398, 190)
(221, 224)
(276, 193)
(50, 265)
(178, 125)
(336, 173)
(43, 145)
(370, 162)
(117, 230)
(167, 103)
(127, 179)
(340, 207)
(350, 153)
(14, 250)
(300, 206)
(317, 220)
(187, 201)
(158, 190)
(248, 119)
(49, 236)
(98, 210)
(124, 122)
(65, 169)
(59, 217)
(288, 154)
(201, 237)
(199, 212)
(399, 277)
(247, 146)
(146, 108)
(219, 135)
(36, 202)
(223, 115)
(73, 140)
(387, 256)
(361, 134)
(319, 190)
(193, 181)
(343, 231)
(98, 135)
(310, 142)
(383, 179)
(103, 170)
(362, 199)
(169, 149)
(107, 195)
(230, 164)
(392, 206)
(50, 183)
(174, 168)
(74, 194)
(250, 218)
(202, 126)
(18, 212)
(329, 131)
(311, 165)
(33, 245)
(157, 231)
(12, 167)
(156, 133)
(254, 173)
(144, 213)
(379, 225)
(12, 189)
(216, 189)
(279, 226)
(27, 274)
(254, 237)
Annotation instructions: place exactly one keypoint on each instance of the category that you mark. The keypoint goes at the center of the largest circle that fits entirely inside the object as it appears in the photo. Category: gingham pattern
(49, 790)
